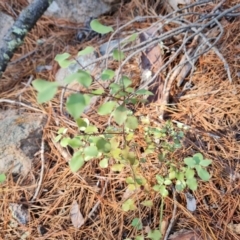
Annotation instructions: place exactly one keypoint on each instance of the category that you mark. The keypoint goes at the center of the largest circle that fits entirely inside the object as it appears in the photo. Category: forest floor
(211, 108)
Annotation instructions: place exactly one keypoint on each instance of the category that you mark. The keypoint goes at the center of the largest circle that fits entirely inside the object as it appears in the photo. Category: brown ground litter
(211, 108)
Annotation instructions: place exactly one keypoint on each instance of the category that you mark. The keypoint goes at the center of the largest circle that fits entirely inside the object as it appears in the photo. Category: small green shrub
(116, 142)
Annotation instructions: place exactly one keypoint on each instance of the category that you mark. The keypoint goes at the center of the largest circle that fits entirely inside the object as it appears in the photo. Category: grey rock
(20, 139)
(79, 10)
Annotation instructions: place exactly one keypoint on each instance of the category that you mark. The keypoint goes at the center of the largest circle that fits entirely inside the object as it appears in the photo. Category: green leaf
(128, 205)
(76, 103)
(115, 88)
(91, 129)
(118, 55)
(198, 157)
(163, 191)
(205, 162)
(116, 153)
(2, 177)
(143, 92)
(62, 60)
(74, 143)
(64, 141)
(131, 122)
(172, 175)
(136, 223)
(114, 143)
(141, 180)
(81, 123)
(103, 163)
(129, 90)
(91, 151)
(139, 238)
(99, 28)
(103, 145)
(132, 187)
(86, 51)
(94, 139)
(82, 77)
(132, 37)
(160, 179)
(156, 188)
(130, 136)
(99, 91)
(179, 186)
(46, 90)
(62, 130)
(180, 176)
(107, 74)
(57, 138)
(129, 180)
(62, 57)
(147, 203)
(106, 108)
(76, 162)
(167, 182)
(154, 235)
(117, 167)
(202, 173)
(190, 161)
(120, 114)
(192, 183)
(189, 173)
(126, 81)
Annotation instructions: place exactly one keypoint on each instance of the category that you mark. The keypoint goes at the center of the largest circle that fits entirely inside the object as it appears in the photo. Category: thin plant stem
(161, 216)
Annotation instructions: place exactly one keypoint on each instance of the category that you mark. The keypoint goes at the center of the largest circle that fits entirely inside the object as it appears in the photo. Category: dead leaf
(174, 3)
(19, 212)
(164, 227)
(76, 215)
(128, 193)
(235, 227)
(185, 235)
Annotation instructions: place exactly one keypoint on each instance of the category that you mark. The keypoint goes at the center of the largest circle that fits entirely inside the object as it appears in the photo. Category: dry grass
(211, 108)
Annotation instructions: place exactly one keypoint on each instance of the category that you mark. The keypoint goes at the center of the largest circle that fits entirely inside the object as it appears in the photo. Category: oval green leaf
(99, 28)
(132, 122)
(147, 203)
(46, 90)
(91, 151)
(103, 163)
(2, 177)
(189, 161)
(86, 51)
(118, 55)
(192, 183)
(76, 162)
(107, 74)
(128, 205)
(206, 162)
(76, 103)
(103, 145)
(106, 108)
(82, 77)
(203, 174)
(120, 114)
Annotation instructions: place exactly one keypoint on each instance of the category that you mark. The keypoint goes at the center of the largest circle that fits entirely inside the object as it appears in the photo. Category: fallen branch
(16, 34)
(170, 226)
